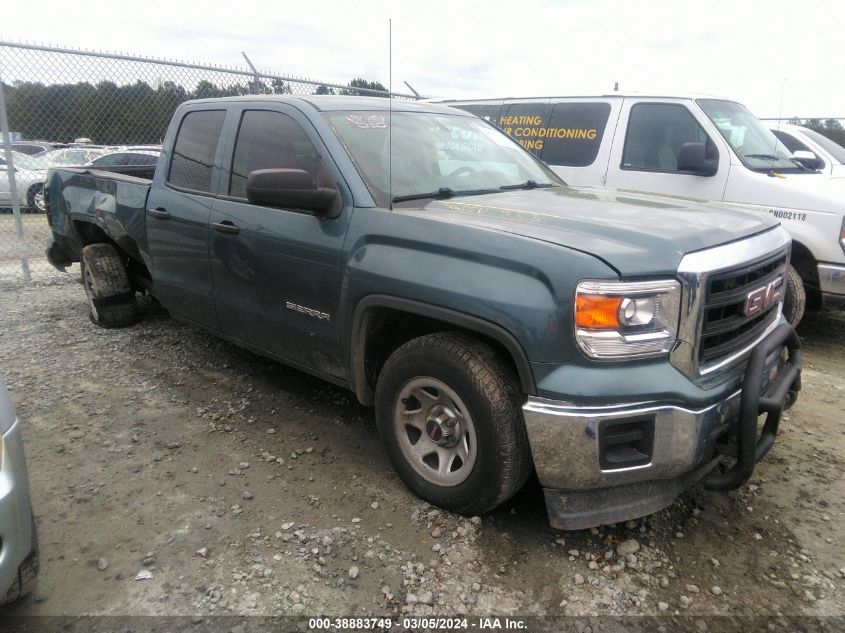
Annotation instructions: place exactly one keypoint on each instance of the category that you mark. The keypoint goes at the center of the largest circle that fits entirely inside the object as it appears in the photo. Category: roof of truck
(328, 103)
(612, 95)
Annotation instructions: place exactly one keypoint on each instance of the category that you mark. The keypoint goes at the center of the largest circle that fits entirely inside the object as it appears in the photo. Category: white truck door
(650, 151)
(578, 139)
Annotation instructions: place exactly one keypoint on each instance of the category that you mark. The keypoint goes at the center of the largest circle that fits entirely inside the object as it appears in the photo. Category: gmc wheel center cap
(442, 426)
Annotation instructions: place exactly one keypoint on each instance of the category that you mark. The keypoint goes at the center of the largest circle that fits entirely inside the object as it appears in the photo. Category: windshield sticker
(370, 122)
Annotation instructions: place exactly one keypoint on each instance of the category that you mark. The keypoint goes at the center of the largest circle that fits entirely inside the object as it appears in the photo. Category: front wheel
(795, 297)
(448, 410)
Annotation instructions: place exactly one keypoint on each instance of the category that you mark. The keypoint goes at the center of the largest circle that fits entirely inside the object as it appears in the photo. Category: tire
(35, 198)
(795, 297)
(458, 379)
(27, 576)
(111, 299)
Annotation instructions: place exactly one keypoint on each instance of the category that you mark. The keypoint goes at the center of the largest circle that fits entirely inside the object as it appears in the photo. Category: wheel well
(804, 262)
(92, 234)
(381, 330)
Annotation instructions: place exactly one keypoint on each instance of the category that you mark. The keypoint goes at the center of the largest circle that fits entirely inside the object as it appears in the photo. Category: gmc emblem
(762, 298)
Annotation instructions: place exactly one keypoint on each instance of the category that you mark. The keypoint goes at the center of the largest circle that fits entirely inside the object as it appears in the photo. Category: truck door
(647, 151)
(277, 271)
(178, 209)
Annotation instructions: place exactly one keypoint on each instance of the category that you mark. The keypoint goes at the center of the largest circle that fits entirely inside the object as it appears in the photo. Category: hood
(637, 234)
(809, 191)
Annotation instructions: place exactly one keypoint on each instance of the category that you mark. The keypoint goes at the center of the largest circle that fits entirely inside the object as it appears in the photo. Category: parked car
(30, 174)
(620, 344)
(819, 152)
(125, 157)
(691, 146)
(34, 148)
(18, 541)
(74, 155)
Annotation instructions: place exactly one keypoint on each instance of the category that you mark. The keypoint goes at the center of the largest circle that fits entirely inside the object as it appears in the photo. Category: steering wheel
(466, 169)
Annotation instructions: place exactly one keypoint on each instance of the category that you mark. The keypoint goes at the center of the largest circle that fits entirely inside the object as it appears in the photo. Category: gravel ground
(173, 473)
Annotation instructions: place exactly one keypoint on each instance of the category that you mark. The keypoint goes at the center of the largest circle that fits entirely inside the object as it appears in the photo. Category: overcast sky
(748, 51)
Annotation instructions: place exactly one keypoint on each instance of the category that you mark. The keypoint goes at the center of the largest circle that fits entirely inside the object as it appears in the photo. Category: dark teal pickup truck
(622, 346)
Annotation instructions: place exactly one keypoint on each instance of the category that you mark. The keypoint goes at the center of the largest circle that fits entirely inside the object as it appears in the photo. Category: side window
(193, 152)
(272, 140)
(142, 159)
(574, 133)
(525, 123)
(792, 143)
(656, 133)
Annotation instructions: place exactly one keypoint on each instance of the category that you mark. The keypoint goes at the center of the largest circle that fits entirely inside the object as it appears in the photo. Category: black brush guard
(780, 394)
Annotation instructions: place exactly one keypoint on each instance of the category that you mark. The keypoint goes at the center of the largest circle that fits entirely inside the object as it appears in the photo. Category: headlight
(626, 319)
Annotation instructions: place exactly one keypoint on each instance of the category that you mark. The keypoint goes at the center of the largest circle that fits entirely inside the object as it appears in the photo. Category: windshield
(73, 156)
(435, 153)
(831, 147)
(758, 148)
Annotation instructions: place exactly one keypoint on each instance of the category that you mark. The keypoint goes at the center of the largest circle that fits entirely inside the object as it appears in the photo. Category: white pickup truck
(828, 157)
(696, 147)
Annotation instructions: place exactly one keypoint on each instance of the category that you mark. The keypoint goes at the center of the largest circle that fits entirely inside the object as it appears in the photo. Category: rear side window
(488, 112)
(656, 133)
(574, 133)
(193, 152)
(272, 140)
(526, 123)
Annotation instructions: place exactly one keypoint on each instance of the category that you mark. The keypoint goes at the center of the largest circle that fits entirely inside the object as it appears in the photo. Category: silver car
(30, 174)
(18, 543)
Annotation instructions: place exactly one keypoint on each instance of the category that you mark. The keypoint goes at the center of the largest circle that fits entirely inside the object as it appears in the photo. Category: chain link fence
(72, 107)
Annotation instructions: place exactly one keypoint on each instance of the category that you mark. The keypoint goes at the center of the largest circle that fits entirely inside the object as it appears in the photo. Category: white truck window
(574, 133)
(656, 133)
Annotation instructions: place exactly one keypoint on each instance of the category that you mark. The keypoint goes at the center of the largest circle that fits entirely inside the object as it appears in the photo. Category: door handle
(161, 214)
(226, 227)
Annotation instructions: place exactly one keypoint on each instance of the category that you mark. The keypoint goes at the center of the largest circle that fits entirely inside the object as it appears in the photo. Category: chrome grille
(725, 328)
(715, 334)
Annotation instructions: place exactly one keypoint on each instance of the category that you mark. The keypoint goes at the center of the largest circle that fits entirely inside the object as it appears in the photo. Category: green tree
(359, 82)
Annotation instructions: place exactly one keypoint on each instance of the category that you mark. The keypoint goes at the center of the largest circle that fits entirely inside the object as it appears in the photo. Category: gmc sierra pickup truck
(624, 346)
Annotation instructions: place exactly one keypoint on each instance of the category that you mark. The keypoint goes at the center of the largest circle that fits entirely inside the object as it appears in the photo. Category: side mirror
(291, 189)
(692, 159)
(808, 159)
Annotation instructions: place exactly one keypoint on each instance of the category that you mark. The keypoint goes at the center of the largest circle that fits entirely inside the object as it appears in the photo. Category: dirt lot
(237, 486)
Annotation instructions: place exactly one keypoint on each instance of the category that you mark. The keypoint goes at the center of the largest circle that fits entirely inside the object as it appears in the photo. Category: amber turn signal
(597, 312)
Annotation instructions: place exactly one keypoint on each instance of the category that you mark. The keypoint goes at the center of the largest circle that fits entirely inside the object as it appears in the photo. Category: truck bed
(111, 199)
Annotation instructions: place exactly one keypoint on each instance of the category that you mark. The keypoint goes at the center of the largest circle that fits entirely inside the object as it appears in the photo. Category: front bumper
(16, 535)
(684, 444)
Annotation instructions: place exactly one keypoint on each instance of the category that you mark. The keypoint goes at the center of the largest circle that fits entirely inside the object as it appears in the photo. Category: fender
(469, 322)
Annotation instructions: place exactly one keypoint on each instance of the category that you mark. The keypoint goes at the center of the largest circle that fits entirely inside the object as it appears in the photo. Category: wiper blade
(528, 184)
(772, 157)
(442, 193)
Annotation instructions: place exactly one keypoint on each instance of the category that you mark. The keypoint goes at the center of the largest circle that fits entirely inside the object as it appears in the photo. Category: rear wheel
(35, 198)
(449, 413)
(795, 297)
(111, 299)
